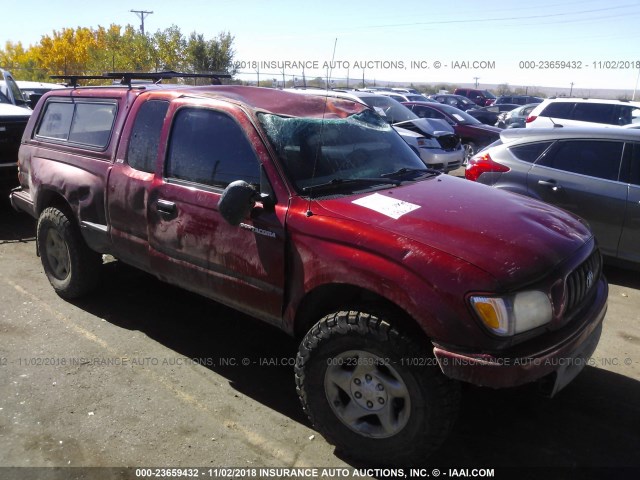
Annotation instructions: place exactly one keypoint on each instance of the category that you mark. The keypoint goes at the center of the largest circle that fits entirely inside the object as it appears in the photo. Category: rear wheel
(72, 268)
(373, 392)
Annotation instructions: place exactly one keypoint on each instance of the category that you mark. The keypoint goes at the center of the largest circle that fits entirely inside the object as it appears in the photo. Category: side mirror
(236, 201)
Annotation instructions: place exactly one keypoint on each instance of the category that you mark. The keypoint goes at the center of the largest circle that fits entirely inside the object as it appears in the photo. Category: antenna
(330, 70)
(324, 111)
(556, 125)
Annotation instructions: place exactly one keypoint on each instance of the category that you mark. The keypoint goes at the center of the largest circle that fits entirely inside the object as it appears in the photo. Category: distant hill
(577, 92)
(544, 91)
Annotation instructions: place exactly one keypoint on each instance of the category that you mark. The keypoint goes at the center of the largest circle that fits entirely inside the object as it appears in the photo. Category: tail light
(482, 164)
(531, 118)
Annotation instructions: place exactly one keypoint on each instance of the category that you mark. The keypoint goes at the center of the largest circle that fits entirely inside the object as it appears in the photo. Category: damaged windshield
(359, 151)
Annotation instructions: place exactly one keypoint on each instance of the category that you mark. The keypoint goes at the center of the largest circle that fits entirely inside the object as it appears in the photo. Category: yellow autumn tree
(21, 62)
(87, 51)
(66, 52)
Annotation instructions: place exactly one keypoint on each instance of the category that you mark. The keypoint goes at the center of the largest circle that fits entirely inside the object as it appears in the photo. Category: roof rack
(73, 79)
(126, 78)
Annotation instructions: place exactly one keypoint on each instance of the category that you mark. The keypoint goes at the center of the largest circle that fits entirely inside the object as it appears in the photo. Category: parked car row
(554, 112)
(491, 114)
(404, 96)
(23, 93)
(518, 99)
(457, 101)
(515, 118)
(33, 91)
(482, 98)
(473, 134)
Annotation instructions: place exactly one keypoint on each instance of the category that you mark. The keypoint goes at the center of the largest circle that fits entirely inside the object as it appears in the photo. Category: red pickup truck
(311, 213)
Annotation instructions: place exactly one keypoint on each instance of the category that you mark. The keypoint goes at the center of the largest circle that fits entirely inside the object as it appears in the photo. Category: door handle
(166, 207)
(550, 183)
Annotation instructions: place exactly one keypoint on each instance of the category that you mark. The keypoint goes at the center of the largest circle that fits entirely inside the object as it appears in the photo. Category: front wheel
(72, 268)
(470, 150)
(373, 392)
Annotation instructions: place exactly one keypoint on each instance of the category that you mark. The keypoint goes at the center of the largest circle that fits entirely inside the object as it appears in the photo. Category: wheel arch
(52, 198)
(333, 297)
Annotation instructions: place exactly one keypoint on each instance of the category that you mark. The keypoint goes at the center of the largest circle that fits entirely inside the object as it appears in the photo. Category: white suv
(576, 112)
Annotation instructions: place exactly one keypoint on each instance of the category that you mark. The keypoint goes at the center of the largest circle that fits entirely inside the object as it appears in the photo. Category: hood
(514, 238)
(7, 110)
(426, 127)
(407, 133)
(486, 128)
(439, 125)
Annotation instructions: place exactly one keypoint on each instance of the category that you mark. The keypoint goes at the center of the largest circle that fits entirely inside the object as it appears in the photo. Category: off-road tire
(73, 269)
(433, 398)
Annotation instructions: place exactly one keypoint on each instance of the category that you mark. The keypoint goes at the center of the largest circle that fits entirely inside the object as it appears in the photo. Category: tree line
(89, 51)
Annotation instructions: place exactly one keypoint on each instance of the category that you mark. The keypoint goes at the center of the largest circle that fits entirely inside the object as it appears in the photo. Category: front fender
(429, 286)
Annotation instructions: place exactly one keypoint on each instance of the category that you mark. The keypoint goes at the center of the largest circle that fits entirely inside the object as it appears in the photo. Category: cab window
(210, 148)
(145, 135)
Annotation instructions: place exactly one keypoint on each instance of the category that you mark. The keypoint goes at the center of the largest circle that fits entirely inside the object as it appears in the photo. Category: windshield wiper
(405, 170)
(341, 182)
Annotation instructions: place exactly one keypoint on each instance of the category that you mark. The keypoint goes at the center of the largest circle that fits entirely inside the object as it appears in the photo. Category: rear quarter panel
(51, 169)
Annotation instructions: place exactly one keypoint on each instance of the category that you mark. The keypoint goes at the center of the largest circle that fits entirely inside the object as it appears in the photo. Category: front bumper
(441, 159)
(560, 361)
(22, 201)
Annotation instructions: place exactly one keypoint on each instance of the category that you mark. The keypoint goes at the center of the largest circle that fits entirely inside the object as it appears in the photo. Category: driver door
(190, 243)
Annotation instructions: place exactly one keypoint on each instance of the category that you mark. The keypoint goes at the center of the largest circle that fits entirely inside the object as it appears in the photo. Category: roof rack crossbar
(127, 77)
(73, 79)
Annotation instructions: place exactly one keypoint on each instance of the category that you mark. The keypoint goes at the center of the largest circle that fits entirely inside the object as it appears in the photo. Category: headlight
(513, 314)
(428, 142)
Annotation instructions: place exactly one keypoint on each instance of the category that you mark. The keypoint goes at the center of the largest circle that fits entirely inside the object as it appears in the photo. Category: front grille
(454, 165)
(11, 130)
(582, 280)
(448, 142)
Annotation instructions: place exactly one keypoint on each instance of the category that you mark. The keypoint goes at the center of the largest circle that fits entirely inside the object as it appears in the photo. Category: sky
(590, 43)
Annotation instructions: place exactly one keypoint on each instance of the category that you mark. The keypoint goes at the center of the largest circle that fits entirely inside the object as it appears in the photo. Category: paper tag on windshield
(388, 206)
